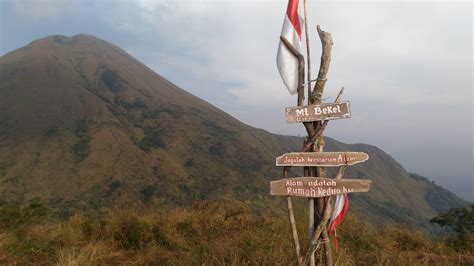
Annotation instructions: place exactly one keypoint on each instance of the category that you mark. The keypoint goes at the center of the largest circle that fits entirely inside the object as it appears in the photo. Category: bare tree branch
(322, 225)
(291, 215)
(326, 42)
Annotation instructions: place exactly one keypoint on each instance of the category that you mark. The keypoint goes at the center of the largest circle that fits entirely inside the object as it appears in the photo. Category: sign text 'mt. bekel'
(318, 112)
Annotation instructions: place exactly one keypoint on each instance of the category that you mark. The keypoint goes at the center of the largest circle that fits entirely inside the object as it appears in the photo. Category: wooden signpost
(318, 112)
(321, 158)
(314, 187)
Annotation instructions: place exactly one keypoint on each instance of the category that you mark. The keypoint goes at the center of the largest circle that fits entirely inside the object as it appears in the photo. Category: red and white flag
(287, 63)
(340, 209)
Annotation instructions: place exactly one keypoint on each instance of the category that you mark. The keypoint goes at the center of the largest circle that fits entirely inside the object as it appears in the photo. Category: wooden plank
(318, 112)
(321, 158)
(316, 187)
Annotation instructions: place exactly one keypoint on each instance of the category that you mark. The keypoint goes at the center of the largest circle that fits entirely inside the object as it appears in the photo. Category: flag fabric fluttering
(340, 209)
(287, 63)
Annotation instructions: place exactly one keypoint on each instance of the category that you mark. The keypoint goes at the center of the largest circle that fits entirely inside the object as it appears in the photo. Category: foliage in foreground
(461, 221)
(207, 233)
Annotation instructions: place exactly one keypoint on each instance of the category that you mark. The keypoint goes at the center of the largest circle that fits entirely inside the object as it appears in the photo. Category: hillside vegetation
(207, 233)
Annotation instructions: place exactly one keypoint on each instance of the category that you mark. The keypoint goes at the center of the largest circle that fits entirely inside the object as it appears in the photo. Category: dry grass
(207, 234)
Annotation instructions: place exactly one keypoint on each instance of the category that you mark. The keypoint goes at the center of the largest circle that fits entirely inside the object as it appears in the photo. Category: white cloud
(378, 47)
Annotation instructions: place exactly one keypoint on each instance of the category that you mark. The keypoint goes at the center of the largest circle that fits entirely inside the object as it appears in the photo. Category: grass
(206, 233)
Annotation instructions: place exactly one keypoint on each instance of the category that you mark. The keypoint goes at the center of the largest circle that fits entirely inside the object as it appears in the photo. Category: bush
(461, 221)
(81, 148)
(17, 217)
(130, 231)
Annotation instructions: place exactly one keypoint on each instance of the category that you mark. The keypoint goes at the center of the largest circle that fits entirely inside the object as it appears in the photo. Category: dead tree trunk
(315, 98)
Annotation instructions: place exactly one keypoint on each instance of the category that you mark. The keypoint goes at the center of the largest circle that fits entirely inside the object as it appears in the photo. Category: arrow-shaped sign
(321, 158)
(316, 187)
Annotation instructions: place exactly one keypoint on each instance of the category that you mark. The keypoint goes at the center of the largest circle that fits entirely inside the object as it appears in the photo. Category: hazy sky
(406, 66)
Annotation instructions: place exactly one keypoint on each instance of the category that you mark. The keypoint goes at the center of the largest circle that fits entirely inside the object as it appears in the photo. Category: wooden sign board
(318, 112)
(316, 187)
(321, 158)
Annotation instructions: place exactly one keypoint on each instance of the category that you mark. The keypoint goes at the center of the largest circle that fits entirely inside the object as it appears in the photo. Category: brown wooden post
(311, 220)
(315, 132)
(291, 215)
(300, 102)
(326, 42)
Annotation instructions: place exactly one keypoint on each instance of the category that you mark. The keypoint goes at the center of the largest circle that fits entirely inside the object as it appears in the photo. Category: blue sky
(406, 66)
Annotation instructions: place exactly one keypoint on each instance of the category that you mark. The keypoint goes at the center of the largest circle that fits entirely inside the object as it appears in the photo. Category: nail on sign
(321, 158)
(315, 187)
(318, 112)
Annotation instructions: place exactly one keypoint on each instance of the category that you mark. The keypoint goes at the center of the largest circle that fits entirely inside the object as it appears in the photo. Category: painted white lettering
(302, 112)
(317, 110)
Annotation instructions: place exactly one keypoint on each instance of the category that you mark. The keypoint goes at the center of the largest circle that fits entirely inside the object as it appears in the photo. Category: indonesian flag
(340, 209)
(287, 63)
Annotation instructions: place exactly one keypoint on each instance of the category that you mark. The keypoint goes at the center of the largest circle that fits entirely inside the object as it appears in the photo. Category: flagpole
(308, 59)
(308, 52)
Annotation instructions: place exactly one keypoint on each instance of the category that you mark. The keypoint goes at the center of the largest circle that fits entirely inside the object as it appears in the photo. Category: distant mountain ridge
(84, 125)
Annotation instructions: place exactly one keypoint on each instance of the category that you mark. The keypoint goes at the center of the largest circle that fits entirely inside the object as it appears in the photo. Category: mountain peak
(78, 38)
(68, 40)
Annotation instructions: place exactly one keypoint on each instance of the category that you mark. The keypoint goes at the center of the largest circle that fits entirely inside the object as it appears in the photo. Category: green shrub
(82, 147)
(461, 221)
(130, 231)
(16, 217)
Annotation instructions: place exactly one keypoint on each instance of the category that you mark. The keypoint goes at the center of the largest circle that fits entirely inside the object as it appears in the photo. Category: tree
(461, 220)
